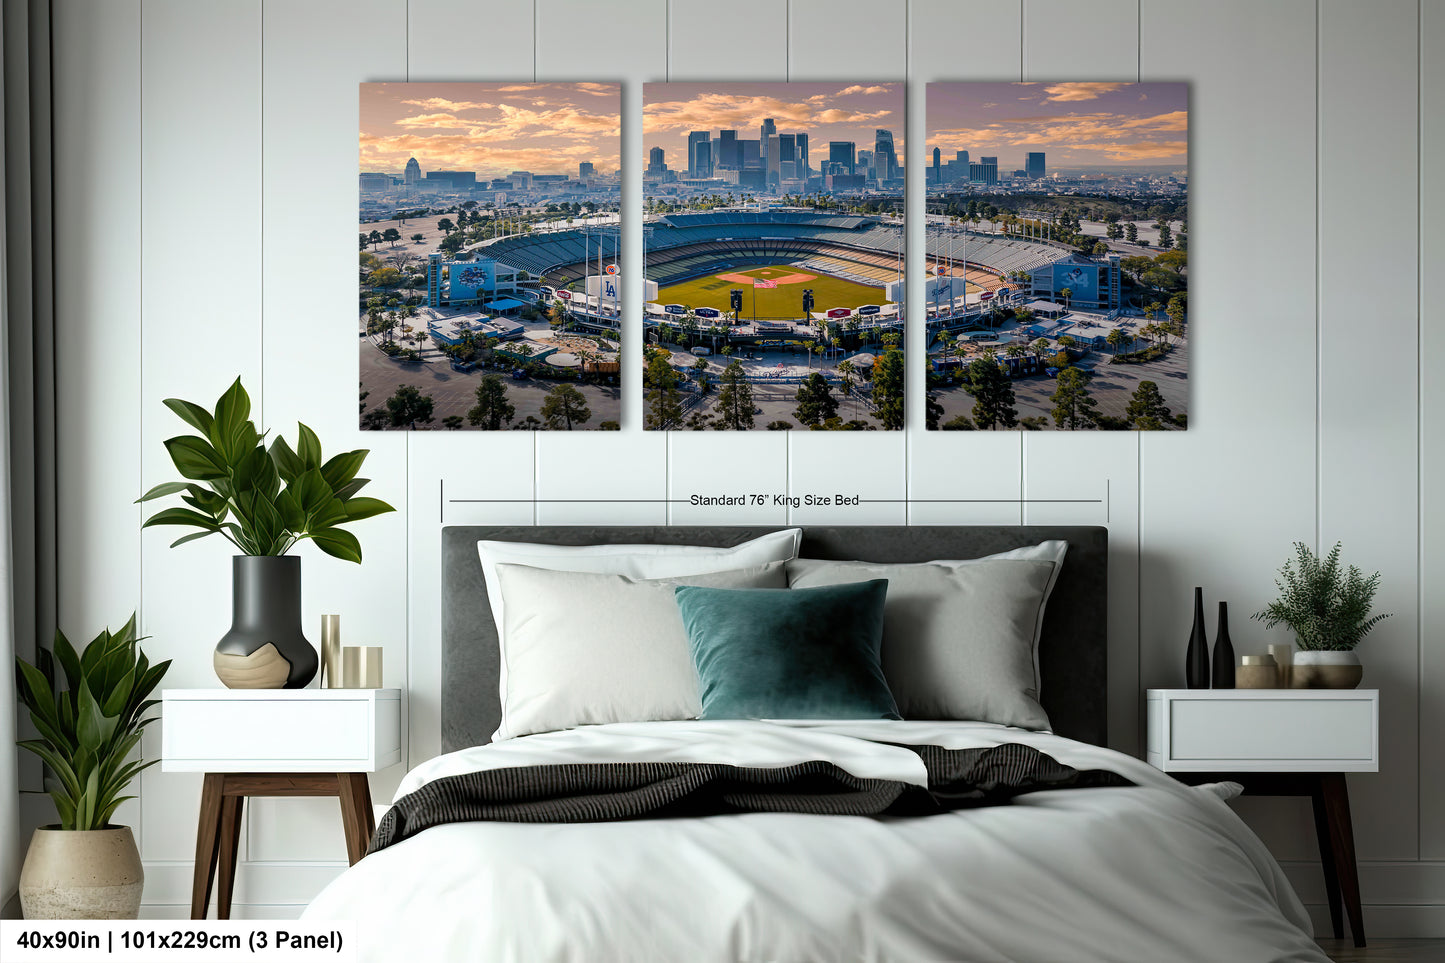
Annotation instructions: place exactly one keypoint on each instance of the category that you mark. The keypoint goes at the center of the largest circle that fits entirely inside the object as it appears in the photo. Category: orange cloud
(441, 103)
(860, 89)
(728, 111)
(1081, 91)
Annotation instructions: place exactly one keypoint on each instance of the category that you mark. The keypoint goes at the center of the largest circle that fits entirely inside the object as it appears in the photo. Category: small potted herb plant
(84, 867)
(263, 501)
(1328, 607)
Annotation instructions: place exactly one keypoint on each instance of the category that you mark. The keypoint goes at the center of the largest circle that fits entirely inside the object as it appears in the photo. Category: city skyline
(824, 111)
(1078, 124)
(490, 128)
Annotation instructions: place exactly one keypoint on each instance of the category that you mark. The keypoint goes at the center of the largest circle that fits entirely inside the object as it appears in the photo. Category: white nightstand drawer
(1264, 730)
(303, 730)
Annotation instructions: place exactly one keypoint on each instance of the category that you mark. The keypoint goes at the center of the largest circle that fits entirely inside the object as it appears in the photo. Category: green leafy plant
(1327, 605)
(89, 728)
(263, 501)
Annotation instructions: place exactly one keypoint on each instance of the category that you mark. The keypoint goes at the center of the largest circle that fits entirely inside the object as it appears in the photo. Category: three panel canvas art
(776, 267)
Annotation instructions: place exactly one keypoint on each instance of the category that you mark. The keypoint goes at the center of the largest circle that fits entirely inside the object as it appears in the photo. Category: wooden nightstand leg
(1327, 860)
(207, 838)
(1342, 841)
(356, 815)
(231, 810)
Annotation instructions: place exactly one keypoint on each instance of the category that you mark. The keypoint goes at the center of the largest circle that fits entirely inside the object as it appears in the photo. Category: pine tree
(735, 400)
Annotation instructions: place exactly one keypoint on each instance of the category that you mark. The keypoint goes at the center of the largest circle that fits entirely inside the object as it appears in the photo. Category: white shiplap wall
(205, 190)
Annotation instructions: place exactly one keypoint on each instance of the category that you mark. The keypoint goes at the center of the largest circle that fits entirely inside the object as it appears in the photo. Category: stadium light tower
(737, 302)
(807, 303)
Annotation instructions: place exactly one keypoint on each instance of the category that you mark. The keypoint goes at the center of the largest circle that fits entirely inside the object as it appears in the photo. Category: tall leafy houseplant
(264, 501)
(88, 730)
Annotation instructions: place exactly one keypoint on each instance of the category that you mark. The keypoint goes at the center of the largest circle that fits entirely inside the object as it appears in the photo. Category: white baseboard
(257, 883)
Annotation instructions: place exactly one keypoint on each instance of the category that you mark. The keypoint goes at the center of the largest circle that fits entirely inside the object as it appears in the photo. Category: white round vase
(1321, 669)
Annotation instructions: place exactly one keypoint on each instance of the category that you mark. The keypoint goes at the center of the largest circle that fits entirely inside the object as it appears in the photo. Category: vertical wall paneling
(96, 100)
(871, 465)
(749, 44)
(446, 466)
(309, 113)
(1432, 433)
(177, 121)
(1205, 518)
(1368, 426)
(1073, 42)
(200, 127)
(973, 478)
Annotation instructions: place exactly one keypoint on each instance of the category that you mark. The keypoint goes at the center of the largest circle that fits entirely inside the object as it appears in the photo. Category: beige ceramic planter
(90, 875)
(1313, 669)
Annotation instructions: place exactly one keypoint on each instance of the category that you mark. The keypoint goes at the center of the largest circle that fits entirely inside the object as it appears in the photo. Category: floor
(1386, 951)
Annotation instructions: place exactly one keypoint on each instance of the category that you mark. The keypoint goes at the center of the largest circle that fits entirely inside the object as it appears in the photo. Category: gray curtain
(27, 399)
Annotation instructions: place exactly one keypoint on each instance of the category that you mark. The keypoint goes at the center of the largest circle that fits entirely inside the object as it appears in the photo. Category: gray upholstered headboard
(1072, 650)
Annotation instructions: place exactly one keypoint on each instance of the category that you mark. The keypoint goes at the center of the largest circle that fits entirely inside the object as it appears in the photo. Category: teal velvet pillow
(809, 653)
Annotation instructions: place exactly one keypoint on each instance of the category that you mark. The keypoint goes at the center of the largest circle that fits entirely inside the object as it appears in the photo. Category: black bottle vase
(1196, 659)
(1223, 651)
(265, 648)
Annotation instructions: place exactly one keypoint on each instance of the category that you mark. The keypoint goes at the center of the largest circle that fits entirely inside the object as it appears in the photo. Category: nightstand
(1278, 742)
(275, 742)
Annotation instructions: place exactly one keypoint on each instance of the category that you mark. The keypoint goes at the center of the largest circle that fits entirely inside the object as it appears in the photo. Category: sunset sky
(825, 112)
(1076, 125)
(492, 129)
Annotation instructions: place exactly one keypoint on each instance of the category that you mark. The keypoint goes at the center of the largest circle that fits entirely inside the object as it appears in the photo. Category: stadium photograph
(489, 218)
(1067, 204)
(774, 256)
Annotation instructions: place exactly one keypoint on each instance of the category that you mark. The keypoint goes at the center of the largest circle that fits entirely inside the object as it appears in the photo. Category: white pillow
(1052, 550)
(634, 561)
(585, 649)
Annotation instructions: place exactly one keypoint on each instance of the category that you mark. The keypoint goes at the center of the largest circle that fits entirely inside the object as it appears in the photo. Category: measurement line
(688, 501)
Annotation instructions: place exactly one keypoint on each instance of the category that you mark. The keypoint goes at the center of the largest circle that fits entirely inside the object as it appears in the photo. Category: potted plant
(263, 501)
(85, 868)
(1328, 607)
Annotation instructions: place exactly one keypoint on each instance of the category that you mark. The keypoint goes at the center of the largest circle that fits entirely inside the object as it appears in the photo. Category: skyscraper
(1034, 165)
(885, 161)
(771, 153)
(727, 151)
(990, 169)
(586, 170)
(802, 147)
(412, 174)
(749, 154)
(768, 129)
(693, 139)
(841, 152)
(702, 160)
(655, 162)
(937, 166)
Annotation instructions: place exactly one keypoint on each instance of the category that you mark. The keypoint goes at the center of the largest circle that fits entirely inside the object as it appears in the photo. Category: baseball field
(783, 301)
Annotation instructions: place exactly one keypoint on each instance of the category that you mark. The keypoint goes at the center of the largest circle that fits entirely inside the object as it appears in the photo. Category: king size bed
(618, 784)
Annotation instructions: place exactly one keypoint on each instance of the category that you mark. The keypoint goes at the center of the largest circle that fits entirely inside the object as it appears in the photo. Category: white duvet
(1156, 873)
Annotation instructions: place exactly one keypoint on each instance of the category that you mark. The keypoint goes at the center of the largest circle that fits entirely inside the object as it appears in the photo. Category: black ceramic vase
(265, 648)
(1196, 659)
(1223, 651)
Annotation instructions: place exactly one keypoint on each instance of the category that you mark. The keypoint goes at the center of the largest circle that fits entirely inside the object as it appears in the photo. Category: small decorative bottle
(1223, 651)
(1196, 659)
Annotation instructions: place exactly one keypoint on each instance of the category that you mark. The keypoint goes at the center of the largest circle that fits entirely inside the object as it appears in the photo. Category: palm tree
(1115, 339)
(1041, 347)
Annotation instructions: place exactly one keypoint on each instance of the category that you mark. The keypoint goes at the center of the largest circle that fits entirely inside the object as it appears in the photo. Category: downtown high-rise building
(937, 166)
(885, 161)
(840, 153)
(586, 170)
(768, 129)
(865, 163)
(727, 150)
(802, 147)
(990, 169)
(412, 175)
(694, 139)
(655, 162)
(1034, 165)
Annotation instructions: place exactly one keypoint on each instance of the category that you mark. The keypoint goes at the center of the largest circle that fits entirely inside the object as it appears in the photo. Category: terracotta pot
(88, 875)
(1318, 669)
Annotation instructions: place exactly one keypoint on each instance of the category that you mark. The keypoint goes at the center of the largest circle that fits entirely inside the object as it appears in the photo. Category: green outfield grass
(783, 301)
